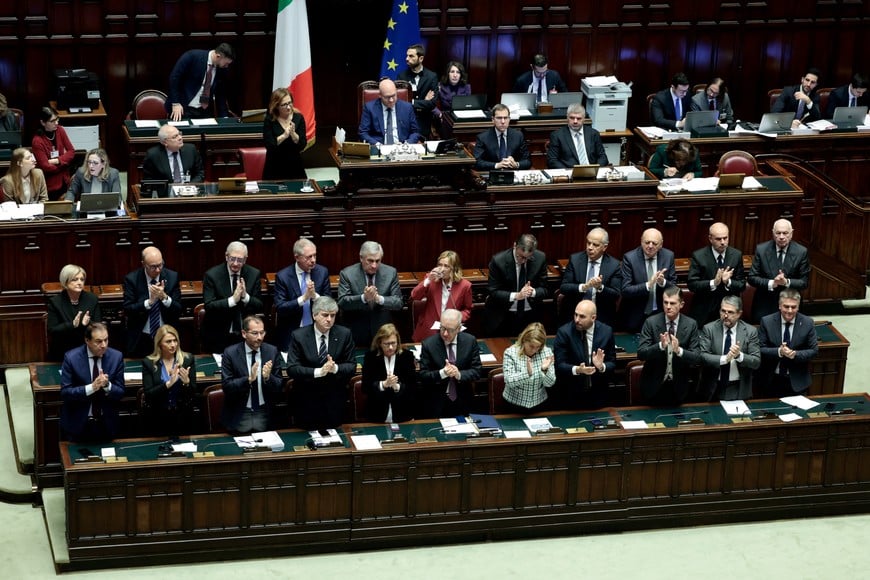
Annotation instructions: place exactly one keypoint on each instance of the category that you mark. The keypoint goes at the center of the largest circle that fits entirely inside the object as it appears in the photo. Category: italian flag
(293, 60)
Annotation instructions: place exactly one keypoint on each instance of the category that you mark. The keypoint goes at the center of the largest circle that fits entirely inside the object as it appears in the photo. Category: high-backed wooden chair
(633, 372)
(198, 319)
(368, 91)
(496, 391)
(214, 405)
(149, 105)
(253, 162)
(824, 95)
(773, 95)
(737, 162)
(358, 398)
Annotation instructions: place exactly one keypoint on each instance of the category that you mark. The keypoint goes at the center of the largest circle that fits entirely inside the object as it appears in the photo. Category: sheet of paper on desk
(601, 81)
(627, 170)
(652, 132)
(538, 423)
(471, 114)
(142, 124)
(821, 125)
(701, 184)
(633, 425)
(14, 211)
(451, 425)
(553, 173)
(750, 182)
(387, 149)
(252, 187)
(217, 358)
(789, 417)
(132, 377)
(800, 402)
(269, 439)
(365, 442)
(519, 434)
(736, 407)
(488, 358)
(189, 447)
(179, 123)
(339, 135)
(203, 122)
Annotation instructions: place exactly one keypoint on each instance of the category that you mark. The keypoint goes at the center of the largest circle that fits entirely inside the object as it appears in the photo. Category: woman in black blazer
(169, 381)
(389, 378)
(70, 312)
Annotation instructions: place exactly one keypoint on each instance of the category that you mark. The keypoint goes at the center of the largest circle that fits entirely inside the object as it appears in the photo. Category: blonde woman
(169, 380)
(528, 371)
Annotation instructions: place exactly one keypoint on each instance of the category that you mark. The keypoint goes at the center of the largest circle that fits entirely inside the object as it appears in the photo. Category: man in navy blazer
(251, 385)
(801, 99)
(160, 160)
(662, 108)
(778, 264)
(320, 362)
(585, 353)
(296, 289)
(562, 151)
(844, 96)
(540, 80)
(488, 151)
(517, 285)
(646, 271)
(708, 280)
(372, 125)
(602, 285)
(91, 384)
(367, 293)
(188, 95)
(152, 285)
(785, 356)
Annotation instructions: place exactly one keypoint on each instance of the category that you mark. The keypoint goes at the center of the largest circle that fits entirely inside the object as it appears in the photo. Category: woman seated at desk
(94, 176)
(169, 381)
(8, 120)
(70, 312)
(54, 153)
(23, 182)
(443, 288)
(679, 158)
(284, 135)
(389, 378)
(454, 83)
(528, 371)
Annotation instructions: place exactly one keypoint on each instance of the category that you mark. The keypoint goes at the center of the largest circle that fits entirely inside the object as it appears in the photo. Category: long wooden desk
(452, 490)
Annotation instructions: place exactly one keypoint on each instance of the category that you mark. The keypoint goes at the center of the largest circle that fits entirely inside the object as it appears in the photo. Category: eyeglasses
(55, 120)
(154, 266)
(235, 260)
(94, 161)
(287, 105)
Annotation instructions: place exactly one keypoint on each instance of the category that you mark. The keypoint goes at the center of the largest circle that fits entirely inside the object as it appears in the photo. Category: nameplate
(115, 460)
(201, 454)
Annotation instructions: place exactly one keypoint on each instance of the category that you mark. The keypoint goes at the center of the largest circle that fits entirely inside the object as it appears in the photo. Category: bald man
(388, 120)
(585, 354)
(152, 297)
(646, 271)
(715, 271)
(778, 264)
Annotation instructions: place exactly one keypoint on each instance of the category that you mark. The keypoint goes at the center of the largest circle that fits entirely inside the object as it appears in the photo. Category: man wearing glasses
(449, 365)
(230, 291)
(388, 120)
(517, 286)
(152, 298)
(501, 147)
(173, 161)
(669, 106)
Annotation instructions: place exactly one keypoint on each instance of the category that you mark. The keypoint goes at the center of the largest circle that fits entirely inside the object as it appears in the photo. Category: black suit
(486, 150)
(661, 109)
(635, 295)
(423, 107)
(605, 299)
(378, 401)
(216, 291)
(562, 154)
(766, 265)
(552, 79)
(795, 378)
(702, 269)
(787, 103)
(135, 295)
(432, 359)
(62, 335)
(186, 80)
(570, 350)
(840, 96)
(167, 411)
(503, 281)
(319, 403)
(684, 369)
(156, 164)
(235, 365)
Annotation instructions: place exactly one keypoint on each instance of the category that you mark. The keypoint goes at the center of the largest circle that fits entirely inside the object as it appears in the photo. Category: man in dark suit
(575, 143)
(367, 292)
(296, 289)
(173, 160)
(388, 120)
(602, 284)
(646, 271)
(152, 298)
(449, 365)
(91, 384)
(585, 353)
(424, 85)
(788, 343)
(320, 362)
(729, 354)
(801, 99)
(540, 80)
(778, 264)
(501, 147)
(517, 285)
(669, 348)
(197, 80)
(715, 271)
(714, 97)
(230, 291)
(250, 381)
(852, 95)
(669, 106)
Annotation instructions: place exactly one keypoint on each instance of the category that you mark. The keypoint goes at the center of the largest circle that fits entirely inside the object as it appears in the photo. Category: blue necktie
(255, 391)
(502, 147)
(389, 136)
(678, 111)
(590, 292)
(154, 315)
(306, 306)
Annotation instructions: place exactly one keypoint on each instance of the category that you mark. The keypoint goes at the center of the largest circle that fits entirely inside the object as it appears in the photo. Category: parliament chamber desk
(698, 466)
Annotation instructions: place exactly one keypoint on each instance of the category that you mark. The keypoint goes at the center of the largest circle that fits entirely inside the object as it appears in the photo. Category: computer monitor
(10, 139)
(153, 188)
(469, 102)
(776, 123)
(562, 100)
(521, 100)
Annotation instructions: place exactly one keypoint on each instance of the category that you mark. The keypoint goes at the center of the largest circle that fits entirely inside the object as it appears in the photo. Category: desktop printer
(76, 88)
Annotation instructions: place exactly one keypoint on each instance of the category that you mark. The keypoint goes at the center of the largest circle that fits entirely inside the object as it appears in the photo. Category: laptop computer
(153, 188)
(777, 123)
(469, 102)
(99, 202)
(562, 100)
(700, 119)
(731, 181)
(521, 100)
(584, 172)
(12, 139)
(849, 117)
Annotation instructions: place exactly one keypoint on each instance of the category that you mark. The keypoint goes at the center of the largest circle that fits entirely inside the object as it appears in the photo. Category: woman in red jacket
(54, 153)
(443, 288)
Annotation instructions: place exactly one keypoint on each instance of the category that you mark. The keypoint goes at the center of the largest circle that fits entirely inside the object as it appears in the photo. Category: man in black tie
(517, 286)
(501, 147)
(152, 298)
(714, 98)
(368, 292)
(585, 353)
(715, 271)
(173, 161)
(788, 344)
(801, 99)
(424, 85)
(729, 354)
(852, 95)
(646, 271)
(778, 264)
(593, 275)
(230, 291)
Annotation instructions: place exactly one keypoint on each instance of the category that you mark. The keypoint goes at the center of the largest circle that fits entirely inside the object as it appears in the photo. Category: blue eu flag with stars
(403, 30)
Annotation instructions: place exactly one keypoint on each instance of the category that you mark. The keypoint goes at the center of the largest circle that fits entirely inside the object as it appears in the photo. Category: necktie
(540, 90)
(712, 104)
(589, 275)
(451, 384)
(521, 282)
(96, 403)
(669, 368)
(306, 306)
(800, 110)
(206, 87)
(389, 135)
(786, 339)
(322, 351)
(852, 101)
(154, 315)
(502, 147)
(581, 150)
(96, 372)
(725, 370)
(782, 256)
(720, 262)
(672, 327)
(255, 391)
(587, 354)
(176, 168)
(678, 110)
(651, 300)
(235, 281)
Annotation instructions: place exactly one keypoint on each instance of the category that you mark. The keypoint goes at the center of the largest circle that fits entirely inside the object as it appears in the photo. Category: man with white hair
(230, 291)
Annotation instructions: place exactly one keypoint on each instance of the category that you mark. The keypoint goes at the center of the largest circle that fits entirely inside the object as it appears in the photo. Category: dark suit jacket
(287, 292)
(702, 269)
(634, 290)
(460, 299)
(284, 160)
(235, 385)
(683, 368)
(486, 149)
(711, 352)
(660, 158)
(135, 295)
(186, 79)
(363, 320)
(700, 102)
(803, 340)
(79, 185)
(371, 125)
(554, 81)
(432, 359)
(787, 103)
(569, 349)
(422, 107)
(766, 265)
(378, 401)
(62, 335)
(562, 154)
(606, 299)
(156, 164)
(502, 282)
(158, 416)
(319, 403)
(661, 110)
(840, 96)
(75, 376)
(216, 291)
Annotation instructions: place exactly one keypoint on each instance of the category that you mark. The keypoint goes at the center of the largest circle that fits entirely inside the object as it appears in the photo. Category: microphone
(832, 410)
(160, 445)
(219, 444)
(681, 420)
(768, 412)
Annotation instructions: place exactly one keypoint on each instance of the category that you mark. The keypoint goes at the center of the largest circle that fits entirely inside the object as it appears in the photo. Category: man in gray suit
(367, 292)
(714, 98)
(575, 143)
(729, 354)
(788, 343)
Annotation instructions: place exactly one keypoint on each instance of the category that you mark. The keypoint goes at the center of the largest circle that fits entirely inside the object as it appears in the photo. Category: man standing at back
(424, 86)
(540, 80)
(152, 298)
(296, 289)
(230, 291)
(778, 264)
(646, 271)
(197, 81)
(715, 271)
(517, 285)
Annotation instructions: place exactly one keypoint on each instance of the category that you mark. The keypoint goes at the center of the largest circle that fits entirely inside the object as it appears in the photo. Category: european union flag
(403, 30)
